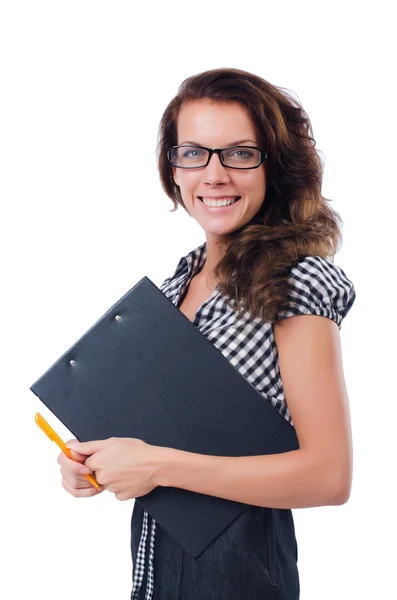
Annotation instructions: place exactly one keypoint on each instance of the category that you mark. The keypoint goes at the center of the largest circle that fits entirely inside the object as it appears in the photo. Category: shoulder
(189, 263)
(318, 287)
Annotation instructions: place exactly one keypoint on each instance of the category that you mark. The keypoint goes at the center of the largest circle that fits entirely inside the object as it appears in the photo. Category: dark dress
(256, 557)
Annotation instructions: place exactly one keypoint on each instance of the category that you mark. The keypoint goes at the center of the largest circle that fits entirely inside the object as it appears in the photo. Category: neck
(213, 256)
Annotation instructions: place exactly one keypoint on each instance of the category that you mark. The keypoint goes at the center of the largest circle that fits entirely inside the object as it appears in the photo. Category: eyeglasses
(234, 157)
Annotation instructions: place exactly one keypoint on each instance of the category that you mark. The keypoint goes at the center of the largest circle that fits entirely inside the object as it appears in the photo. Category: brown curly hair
(294, 221)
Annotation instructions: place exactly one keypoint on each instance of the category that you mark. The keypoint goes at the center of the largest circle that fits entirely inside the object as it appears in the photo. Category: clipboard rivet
(72, 362)
(118, 318)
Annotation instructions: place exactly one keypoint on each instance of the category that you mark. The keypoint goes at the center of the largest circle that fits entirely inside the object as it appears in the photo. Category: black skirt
(254, 559)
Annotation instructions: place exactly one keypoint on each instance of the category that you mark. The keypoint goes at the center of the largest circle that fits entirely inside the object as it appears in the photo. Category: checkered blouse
(318, 288)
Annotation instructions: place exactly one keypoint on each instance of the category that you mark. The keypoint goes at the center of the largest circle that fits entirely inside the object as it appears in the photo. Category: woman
(238, 155)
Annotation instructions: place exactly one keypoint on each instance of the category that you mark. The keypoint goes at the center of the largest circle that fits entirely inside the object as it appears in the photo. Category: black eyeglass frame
(217, 151)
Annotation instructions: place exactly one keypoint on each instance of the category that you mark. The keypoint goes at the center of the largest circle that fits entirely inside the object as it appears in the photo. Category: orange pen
(54, 437)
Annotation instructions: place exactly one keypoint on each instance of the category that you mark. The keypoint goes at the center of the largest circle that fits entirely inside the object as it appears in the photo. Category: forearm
(294, 479)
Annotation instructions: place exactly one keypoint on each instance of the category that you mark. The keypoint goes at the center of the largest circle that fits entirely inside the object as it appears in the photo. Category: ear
(175, 174)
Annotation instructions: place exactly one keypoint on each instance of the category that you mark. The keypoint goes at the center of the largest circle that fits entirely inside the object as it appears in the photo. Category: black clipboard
(144, 370)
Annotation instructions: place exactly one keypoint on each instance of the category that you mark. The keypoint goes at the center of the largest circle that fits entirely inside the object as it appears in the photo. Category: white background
(83, 218)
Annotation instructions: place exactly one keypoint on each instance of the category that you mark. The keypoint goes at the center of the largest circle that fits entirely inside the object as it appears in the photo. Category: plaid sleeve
(318, 287)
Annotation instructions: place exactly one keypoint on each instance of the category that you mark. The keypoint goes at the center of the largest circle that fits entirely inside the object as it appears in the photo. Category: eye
(192, 153)
(243, 153)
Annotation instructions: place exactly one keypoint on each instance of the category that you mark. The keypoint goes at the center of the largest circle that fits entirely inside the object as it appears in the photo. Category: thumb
(79, 457)
(86, 448)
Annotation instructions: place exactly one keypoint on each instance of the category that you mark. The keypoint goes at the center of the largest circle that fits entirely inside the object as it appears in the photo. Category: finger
(77, 482)
(80, 492)
(86, 448)
(78, 459)
(76, 455)
(70, 466)
(92, 463)
(69, 475)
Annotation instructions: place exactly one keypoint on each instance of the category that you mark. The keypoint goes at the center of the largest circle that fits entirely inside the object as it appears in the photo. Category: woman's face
(219, 125)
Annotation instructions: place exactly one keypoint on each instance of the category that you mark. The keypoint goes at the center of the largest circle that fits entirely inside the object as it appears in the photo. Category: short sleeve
(318, 287)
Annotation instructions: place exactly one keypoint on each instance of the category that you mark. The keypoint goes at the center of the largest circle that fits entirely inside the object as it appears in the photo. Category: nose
(215, 172)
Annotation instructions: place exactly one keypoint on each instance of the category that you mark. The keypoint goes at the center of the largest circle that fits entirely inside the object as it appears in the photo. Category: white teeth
(215, 203)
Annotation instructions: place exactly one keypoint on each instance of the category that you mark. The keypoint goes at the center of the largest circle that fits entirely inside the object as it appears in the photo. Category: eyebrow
(232, 144)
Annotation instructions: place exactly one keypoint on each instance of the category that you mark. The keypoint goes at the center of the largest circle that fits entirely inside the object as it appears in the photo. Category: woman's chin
(219, 230)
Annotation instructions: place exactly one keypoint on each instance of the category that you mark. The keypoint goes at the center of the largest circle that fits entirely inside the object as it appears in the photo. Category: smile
(212, 203)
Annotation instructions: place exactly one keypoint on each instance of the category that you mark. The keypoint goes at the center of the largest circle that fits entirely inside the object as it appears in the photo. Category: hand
(127, 467)
(73, 479)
